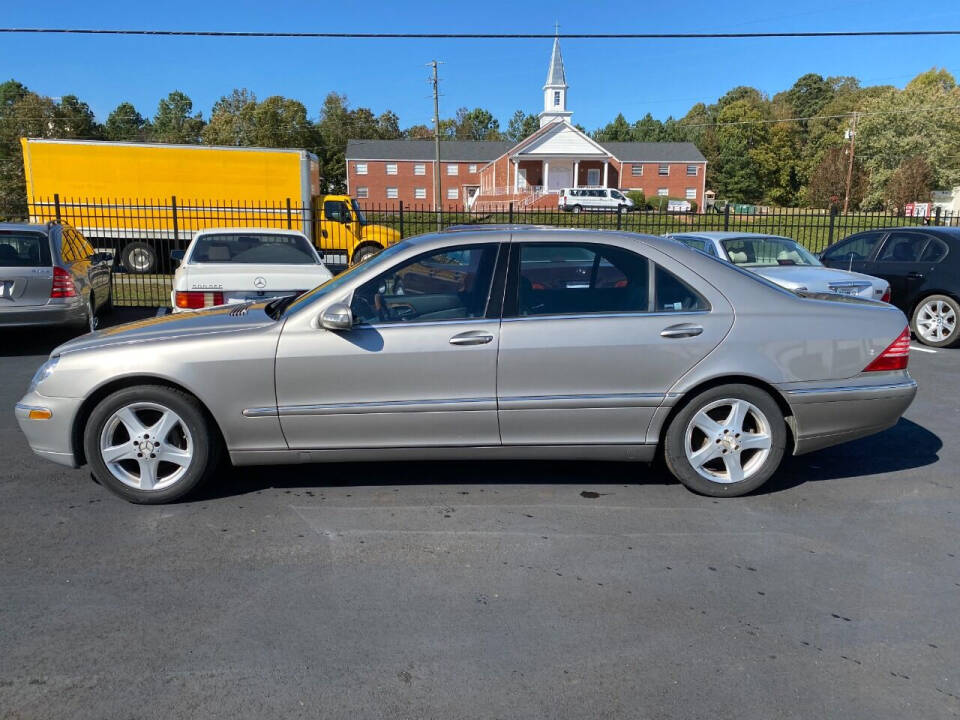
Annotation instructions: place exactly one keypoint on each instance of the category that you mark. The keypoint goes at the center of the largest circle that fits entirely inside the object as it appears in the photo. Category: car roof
(545, 233)
(248, 231)
(728, 235)
(27, 227)
(952, 232)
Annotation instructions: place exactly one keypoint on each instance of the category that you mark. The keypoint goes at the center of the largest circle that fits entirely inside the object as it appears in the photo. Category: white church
(529, 173)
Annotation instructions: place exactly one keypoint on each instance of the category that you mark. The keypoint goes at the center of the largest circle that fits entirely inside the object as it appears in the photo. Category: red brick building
(529, 173)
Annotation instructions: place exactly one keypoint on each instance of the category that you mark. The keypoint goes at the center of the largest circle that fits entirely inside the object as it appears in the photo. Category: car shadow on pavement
(20, 342)
(905, 446)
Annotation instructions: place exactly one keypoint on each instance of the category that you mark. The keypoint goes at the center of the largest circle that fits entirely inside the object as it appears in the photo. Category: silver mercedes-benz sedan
(495, 342)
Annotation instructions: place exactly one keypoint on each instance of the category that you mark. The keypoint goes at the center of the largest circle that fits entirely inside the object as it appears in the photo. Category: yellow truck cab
(143, 200)
(344, 234)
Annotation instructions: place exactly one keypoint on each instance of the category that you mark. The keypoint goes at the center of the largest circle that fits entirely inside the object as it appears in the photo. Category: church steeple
(555, 90)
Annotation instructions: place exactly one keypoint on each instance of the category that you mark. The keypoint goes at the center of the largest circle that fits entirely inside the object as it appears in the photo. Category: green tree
(124, 123)
(911, 182)
(388, 126)
(617, 131)
(175, 121)
(829, 180)
(741, 138)
(73, 118)
(521, 126)
(232, 120)
(647, 129)
(919, 121)
(283, 122)
(418, 132)
(22, 114)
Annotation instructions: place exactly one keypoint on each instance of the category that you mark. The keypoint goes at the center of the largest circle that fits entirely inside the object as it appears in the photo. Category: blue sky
(605, 77)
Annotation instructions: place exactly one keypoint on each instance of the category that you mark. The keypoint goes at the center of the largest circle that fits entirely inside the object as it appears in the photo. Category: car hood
(238, 276)
(813, 278)
(381, 234)
(220, 319)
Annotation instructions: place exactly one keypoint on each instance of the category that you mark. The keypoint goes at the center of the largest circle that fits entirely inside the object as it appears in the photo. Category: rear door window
(73, 247)
(934, 252)
(27, 249)
(903, 247)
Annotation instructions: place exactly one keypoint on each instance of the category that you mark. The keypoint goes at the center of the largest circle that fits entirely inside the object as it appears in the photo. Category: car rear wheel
(726, 441)
(935, 321)
(576, 209)
(150, 444)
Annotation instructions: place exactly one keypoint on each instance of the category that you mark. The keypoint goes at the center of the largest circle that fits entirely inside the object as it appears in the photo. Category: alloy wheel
(146, 446)
(936, 321)
(728, 440)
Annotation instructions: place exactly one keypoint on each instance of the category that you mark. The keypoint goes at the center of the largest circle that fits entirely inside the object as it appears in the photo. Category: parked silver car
(50, 275)
(785, 262)
(500, 342)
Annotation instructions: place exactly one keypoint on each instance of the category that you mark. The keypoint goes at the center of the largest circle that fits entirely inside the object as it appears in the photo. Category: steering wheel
(366, 308)
(383, 311)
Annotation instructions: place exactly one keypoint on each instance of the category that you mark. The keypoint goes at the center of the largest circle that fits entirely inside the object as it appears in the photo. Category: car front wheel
(935, 321)
(726, 441)
(150, 444)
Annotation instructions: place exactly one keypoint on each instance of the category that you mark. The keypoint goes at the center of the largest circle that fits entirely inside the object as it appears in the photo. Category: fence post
(511, 212)
(833, 220)
(401, 219)
(726, 216)
(289, 216)
(56, 205)
(619, 217)
(936, 215)
(176, 225)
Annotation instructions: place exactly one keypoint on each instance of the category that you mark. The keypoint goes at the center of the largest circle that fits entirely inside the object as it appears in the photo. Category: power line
(481, 36)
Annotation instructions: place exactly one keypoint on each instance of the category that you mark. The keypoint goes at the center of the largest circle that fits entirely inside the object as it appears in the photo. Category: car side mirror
(337, 317)
(177, 256)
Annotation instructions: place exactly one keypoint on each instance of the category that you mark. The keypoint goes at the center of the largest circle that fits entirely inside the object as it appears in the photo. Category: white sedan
(236, 265)
(784, 262)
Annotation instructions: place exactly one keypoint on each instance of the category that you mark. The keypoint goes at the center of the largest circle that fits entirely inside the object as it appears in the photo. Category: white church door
(560, 177)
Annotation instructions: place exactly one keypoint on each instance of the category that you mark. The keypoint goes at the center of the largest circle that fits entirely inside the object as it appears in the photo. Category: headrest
(218, 253)
(737, 256)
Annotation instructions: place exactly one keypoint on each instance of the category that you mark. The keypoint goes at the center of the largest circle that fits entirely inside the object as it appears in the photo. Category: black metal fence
(142, 233)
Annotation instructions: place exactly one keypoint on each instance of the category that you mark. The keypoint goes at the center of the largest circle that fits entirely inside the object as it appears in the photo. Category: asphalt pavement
(489, 590)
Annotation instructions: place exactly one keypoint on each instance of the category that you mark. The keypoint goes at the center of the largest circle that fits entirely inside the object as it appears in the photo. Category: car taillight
(63, 286)
(895, 357)
(195, 300)
(886, 295)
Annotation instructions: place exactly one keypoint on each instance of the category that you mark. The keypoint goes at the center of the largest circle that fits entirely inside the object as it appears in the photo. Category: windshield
(361, 218)
(248, 248)
(335, 283)
(24, 250)
(767, 251)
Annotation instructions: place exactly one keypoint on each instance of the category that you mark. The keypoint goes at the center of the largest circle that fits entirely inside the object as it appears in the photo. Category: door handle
(472, 337)
(681, 331)
(914, 275)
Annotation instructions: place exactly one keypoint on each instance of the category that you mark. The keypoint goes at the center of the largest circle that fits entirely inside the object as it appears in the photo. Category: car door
(337, 232)
(854, 253)
(97, 268)
(418, 368)
(899, 263)
(593, 337)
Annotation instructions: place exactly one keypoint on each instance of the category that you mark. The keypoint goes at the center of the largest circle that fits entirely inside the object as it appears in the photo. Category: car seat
(737, 257)
(903, 251)
(8, 255)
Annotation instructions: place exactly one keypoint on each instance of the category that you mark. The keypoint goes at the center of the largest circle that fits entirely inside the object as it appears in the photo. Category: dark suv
(51, 275)
(922, 266)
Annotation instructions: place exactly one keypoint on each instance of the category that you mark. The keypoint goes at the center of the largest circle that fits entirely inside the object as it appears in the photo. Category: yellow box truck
(145, 199)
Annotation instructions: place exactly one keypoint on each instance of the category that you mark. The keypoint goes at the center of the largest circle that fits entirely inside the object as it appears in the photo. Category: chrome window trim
(584, 316)
(428, 323)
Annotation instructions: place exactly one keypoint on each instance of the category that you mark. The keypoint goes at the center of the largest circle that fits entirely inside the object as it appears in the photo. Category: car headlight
(43, 372)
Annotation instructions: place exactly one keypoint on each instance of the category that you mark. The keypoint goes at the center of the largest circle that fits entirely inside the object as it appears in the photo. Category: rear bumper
(51, 439)
(43, 315)
(826, 416)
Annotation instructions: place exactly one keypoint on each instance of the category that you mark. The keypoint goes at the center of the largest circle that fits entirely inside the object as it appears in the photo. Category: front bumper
(51, 439)
(826, 416)
(44, 315)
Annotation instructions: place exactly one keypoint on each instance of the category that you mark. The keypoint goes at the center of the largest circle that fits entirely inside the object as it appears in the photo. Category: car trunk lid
(26, 271)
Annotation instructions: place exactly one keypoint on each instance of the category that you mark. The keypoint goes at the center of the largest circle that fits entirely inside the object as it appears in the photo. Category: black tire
(107, 306)
(364, 252)
(204, 442)
(139, 258)
(950, 306)
(576, 209)
(757, 467)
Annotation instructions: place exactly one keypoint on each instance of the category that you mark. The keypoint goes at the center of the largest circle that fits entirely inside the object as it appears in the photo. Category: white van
(579, 199)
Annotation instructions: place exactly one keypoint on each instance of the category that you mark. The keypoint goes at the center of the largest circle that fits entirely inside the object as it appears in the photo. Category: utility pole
(853, 145)
(436, 144)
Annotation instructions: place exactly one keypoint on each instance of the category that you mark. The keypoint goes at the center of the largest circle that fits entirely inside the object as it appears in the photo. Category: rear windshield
(24, 249)
(766, 252)
(242, 248)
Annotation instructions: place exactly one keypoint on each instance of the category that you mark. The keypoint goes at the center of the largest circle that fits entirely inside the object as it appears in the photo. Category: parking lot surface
(489, 590)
